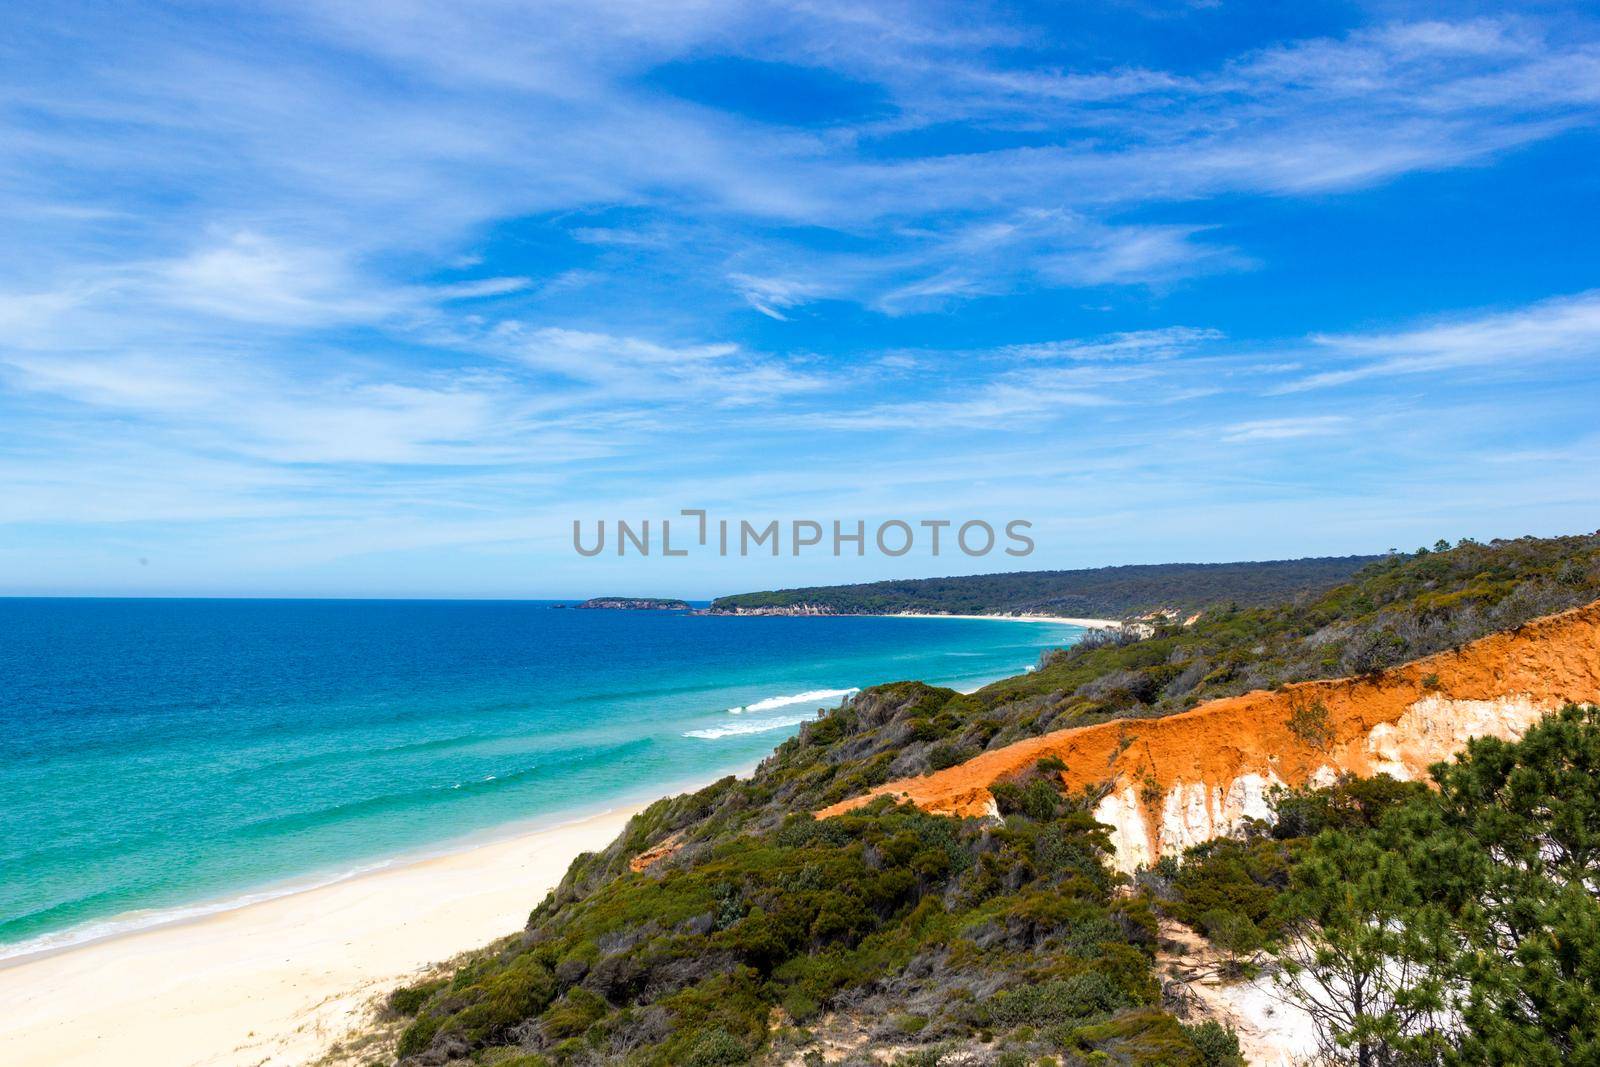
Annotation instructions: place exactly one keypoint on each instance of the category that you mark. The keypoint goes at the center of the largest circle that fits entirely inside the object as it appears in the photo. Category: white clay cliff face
(1182, 779)
(1431, 730)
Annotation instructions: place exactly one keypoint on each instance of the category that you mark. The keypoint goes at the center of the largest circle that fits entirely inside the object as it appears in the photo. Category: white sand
(278, 981)
(275, 983)
(1092, 624)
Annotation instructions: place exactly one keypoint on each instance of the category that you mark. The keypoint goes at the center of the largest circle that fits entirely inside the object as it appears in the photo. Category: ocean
(166, 758)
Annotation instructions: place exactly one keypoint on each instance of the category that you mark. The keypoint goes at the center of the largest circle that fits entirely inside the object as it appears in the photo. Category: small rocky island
(633, 603)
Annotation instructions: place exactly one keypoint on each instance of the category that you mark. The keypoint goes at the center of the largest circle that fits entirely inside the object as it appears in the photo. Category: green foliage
(1370, 964)
(947, 754)
(1395, 609)
(408, 1000)
(1142, 1035)
(1229, 889)
(1078, 997)
(1234, 934)
(717, 1048)
(1350, 804)
(1036, 798)
(686, 965)
(1101, 592)
(573, 1013)
(1528, 815)
(761, 906)
(1218, 1045)
(1464, 926)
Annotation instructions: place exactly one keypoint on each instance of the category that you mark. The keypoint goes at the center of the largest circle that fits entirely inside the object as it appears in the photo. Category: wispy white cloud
(483, 287)
(410, 275)
(1161, 343)
(251, 278)
(772, 296)
(1551, 331)
(502, 121)
(1286, 428)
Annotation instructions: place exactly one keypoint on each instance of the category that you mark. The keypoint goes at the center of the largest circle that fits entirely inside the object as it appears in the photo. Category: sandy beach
(278, 981)
(1092, 624)
(275, 983)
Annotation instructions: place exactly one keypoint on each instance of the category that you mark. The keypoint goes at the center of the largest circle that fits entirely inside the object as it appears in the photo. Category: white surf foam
(771, 703)
(749, 726)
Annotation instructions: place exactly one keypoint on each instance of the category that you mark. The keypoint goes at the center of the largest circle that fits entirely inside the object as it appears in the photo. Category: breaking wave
(749, 726)
(772, 703)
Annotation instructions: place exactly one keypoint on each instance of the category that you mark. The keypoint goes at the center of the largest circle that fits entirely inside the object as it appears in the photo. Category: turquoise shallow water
(162, 755)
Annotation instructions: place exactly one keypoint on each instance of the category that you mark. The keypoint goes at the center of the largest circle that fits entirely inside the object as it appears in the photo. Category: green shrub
(1228, 878)
(800, 1004)
(1037, 798)
(1233, 934)
(1218, 1044)
(573, 1013)
(408, 1000)
(1077, 997)
(418, 1036)
(1142, 1035)
(717, 1049)
(1350, 803)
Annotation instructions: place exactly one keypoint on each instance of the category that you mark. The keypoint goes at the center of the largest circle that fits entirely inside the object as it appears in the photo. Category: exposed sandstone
(1172, 782)
(663, 849)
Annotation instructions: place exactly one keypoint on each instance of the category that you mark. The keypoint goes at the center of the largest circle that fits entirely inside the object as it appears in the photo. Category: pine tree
(1531, 925)
(1465, 927)
(1368, 959)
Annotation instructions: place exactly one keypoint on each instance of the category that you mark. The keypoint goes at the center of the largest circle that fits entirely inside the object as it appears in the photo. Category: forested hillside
(1102, 592)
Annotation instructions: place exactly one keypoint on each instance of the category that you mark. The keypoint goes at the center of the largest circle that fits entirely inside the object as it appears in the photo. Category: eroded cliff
(1172, 782)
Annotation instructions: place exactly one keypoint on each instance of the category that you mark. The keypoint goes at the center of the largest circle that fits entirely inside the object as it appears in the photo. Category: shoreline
(280, 974)
(1064, 620)
(278, 981)
(137, 923)
(778, 613)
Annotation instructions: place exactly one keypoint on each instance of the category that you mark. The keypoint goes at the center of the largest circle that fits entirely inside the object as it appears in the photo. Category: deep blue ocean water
(159, 757)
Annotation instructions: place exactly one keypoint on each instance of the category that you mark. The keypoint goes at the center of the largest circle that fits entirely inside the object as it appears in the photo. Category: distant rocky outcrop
(774, 609)
(1166, 784)
(633, 603)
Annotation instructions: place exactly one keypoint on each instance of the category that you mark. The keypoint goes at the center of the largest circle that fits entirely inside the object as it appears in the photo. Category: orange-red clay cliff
(1176, 781)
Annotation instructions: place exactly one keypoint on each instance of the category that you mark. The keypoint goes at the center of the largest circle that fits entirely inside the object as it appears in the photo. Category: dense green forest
(1098, 593)
(766, 936)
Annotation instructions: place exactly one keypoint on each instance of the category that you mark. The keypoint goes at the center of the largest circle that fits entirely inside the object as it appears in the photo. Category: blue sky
(348, 298)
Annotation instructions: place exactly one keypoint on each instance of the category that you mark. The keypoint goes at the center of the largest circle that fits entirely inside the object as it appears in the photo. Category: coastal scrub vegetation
(758, 934)
(1394, 610)
(887, 925)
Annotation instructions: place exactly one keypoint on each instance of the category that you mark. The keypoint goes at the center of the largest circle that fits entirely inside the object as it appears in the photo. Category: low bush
(1218, 1045)
(1070, 999)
